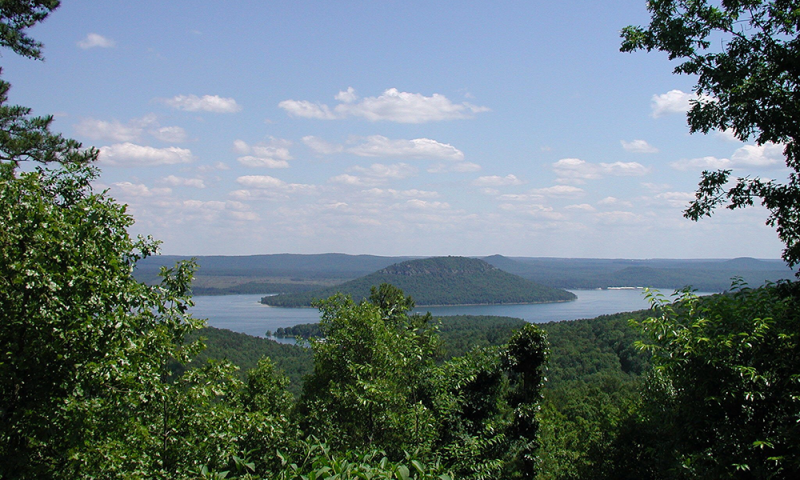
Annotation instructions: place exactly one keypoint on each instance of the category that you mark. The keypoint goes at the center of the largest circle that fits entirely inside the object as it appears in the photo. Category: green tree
(725, 394)
(746, 56)
(367, 373)
(85, 349)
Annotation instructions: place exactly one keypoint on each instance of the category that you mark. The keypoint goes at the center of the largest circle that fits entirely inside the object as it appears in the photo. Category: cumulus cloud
(393, 105)
(129, 189)
(391, 193)
(170, 134)
(102, 130)
(676, 199)
(266, 162)
(380, 146)
(613, 201)
(268, 183)
(183, 182)
(347, 179)
(419, 204)
(769, 155)
(322, 147)
(584, 207)
(217, 166)
(575, 170)
(306, 109)
(94, 40)
(535, 210)
(459, 167)
(674, 101)
(375, 174)
(129, 132)
(728, 134)
(273, 155)
(558, 191)
(397, 171)
(131, 155)
(638, 146)
(206, 103)
(497, 181)
(618, 217)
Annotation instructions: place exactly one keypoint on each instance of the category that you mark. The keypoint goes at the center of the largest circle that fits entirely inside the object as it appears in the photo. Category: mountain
(704, 275)
(439, 281)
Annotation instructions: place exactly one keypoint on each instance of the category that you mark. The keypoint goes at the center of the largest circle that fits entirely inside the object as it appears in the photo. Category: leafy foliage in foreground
(726, 383)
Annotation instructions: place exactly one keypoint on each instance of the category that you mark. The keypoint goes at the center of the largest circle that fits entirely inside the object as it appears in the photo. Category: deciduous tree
(746, 57)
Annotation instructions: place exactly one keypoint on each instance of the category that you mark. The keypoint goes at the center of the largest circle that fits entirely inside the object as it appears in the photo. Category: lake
(245, 313)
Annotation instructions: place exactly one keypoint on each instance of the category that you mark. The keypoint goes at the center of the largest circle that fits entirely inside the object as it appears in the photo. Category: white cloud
(102, 130)
(534, 210)
(94, 40)
(206, 103)
(585, 207)
(709, 162)
(769, 155)
(216, 166)
(393, 105)
(497, 181)
(623, 169)
(128, 132)
(519, 197)
(347, 179)
(244, 216)
(613, 201)
(460, 167)
(183, 181)
(638, 146)
(251, 161)
(131, 155)
(619, 218)
(380, 192)
(322, 147)
(380, 146)
(418, 204)
(674, 101)
(676, 199)
(381, 172)
(347, 96)
(138, 190)
(170, 134)
(306, 109)
(559, 191)
(265, 182)
(375, 174)
(728, 134)
(575, 170)
(273, 155)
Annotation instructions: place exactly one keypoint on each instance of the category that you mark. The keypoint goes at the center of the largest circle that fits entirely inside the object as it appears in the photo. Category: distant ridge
(439, 281)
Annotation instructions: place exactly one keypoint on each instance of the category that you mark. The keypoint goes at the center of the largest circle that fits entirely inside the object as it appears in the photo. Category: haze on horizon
(391, 128)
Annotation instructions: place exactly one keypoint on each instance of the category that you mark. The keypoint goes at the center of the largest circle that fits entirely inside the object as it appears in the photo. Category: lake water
(245, 313)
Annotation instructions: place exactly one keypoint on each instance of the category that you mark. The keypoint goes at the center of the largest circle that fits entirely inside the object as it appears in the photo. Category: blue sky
(389, 128)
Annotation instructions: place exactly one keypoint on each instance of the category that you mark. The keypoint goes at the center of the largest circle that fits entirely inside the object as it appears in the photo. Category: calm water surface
(245, 313)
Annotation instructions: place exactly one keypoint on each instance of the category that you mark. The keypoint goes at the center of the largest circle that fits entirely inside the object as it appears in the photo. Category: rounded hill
(438, 281)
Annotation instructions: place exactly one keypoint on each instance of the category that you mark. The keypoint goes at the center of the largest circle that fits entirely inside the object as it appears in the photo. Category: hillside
(439, 281)
(291, 273)
(703, 275)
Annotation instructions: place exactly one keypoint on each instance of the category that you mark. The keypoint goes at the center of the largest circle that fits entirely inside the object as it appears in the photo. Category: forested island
(438, 281)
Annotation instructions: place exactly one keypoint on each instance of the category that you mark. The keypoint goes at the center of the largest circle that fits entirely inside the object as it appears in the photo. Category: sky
(389, 128)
